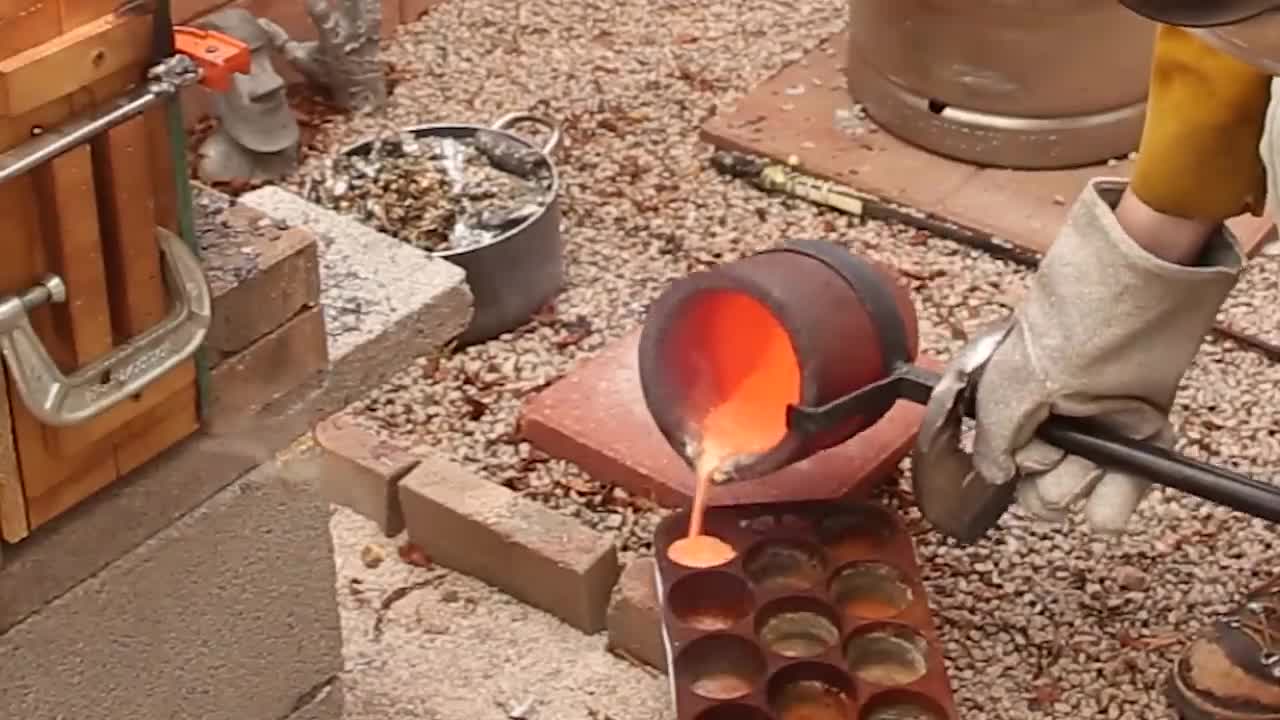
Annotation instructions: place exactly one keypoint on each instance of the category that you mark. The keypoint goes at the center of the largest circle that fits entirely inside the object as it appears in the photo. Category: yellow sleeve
(1199, 156)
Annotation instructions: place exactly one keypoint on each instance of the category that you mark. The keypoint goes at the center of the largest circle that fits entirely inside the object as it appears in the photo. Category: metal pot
(519, 271)
(1027, 84)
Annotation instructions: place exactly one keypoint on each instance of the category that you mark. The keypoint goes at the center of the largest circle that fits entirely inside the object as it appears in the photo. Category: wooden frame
(89, 216)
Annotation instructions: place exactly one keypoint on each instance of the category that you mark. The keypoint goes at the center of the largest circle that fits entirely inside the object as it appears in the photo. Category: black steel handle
(1076, 436)
(1164, 467)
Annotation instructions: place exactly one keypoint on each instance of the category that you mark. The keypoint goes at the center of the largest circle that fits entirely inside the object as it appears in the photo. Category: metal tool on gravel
(852, 350)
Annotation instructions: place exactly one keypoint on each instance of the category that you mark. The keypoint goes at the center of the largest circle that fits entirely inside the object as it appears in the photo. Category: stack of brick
(466, 522)
(268, 332)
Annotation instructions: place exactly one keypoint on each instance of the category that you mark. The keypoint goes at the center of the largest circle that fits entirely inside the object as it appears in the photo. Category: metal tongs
(963, 505)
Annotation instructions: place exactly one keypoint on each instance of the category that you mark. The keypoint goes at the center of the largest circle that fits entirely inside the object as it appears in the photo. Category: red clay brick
(538, 556)
(362, 471)
(272, 366)
(596, 418)
(635, 617)
(1024, 207)
(260, 278)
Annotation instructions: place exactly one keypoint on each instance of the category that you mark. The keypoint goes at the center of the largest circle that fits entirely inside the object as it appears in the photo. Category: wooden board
(90, 217)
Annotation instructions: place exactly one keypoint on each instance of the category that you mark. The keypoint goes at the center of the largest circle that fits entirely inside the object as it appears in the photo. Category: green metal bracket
(164, 48)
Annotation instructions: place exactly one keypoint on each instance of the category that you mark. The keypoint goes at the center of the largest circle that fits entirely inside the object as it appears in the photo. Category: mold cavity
(710, 600)
(784, 565)
(720, 667)
(733, 711)
(797, 627)
(870, 590)
(856, 532)
(811, 691)
(902, 705)
(887, 655)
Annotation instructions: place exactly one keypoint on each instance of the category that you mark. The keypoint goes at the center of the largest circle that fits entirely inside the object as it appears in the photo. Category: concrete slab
(432, 644)
(227, 614)
(805, 113)
(596, 418)
(374, 286)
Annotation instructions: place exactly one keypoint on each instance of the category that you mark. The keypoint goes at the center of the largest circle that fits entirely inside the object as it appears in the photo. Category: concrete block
(635, 618)
(373, 286)
(261, 275)
(362, 471)
(477, 527)
(228, 614)
(269, 368)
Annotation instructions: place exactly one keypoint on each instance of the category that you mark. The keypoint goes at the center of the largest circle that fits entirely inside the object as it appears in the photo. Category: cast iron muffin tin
(820, 616)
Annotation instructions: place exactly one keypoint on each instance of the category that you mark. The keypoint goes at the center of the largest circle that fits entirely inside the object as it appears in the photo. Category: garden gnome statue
(257, 135)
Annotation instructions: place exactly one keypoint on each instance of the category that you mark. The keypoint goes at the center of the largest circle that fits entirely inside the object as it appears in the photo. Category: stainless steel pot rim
(470, 129)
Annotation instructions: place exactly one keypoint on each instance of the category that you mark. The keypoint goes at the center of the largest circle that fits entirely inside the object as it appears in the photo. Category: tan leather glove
(1269, 150)
(1106, 331)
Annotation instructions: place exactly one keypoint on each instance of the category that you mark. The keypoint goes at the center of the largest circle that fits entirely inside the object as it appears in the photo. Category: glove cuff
(1106, 318)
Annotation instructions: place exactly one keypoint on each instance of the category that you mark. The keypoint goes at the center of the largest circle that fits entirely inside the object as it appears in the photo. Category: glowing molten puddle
(701, 551)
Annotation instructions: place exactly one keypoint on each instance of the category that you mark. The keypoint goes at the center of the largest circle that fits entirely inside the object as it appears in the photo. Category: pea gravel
(1038, 621)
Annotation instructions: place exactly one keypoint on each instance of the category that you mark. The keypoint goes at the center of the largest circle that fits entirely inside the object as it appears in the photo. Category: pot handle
(506, 121)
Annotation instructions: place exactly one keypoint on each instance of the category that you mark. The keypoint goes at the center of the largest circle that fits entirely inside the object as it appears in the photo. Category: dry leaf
(413, 555)
(1046, 693)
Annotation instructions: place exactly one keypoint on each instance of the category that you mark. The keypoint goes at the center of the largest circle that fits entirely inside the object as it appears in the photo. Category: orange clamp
(218, 55)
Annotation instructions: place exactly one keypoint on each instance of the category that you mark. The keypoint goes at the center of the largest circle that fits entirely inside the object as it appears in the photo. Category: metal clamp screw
(60, 399)
(14, 309)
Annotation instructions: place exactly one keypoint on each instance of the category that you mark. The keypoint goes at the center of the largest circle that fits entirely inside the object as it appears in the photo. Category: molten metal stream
(747, 377)
(696, 549)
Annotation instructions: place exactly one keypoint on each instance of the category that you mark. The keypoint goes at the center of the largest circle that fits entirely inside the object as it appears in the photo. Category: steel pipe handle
(957, 501)
(1164, 467)
(508, 121)
(60, 400)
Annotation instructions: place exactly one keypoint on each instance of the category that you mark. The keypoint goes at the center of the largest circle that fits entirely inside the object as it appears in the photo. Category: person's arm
(1129, 289)
(1198, 162)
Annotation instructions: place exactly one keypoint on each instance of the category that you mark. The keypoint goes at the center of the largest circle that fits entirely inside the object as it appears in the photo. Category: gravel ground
(429, 644)
(1039, 621)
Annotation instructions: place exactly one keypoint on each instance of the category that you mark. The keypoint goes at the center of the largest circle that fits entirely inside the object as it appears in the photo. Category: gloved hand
(1106, 331)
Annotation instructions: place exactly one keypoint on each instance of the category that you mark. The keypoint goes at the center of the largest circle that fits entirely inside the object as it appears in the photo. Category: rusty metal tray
(820, 616)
